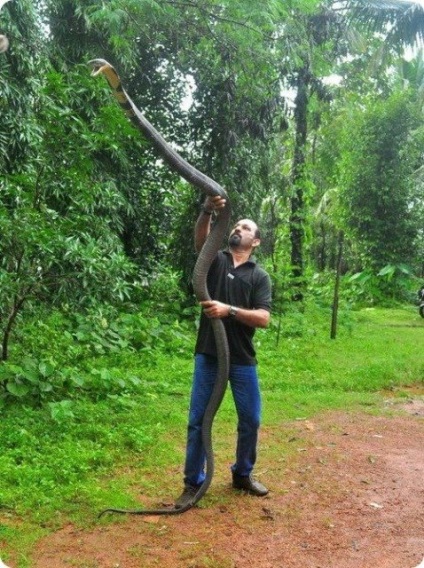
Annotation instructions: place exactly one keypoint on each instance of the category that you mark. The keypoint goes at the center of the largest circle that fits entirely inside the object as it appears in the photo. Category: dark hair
(257, 233)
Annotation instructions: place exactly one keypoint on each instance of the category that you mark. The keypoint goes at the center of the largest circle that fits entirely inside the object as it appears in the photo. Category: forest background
(309, 113)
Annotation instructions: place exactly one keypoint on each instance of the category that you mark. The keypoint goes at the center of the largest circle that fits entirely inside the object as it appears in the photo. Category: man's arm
(253, 318)
(203, 223)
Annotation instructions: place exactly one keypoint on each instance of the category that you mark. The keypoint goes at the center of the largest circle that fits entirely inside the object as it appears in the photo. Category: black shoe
(186, 496)
(250, 485)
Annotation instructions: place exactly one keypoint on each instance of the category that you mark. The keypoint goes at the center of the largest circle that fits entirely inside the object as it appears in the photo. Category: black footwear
(249, 485)
(186, 496)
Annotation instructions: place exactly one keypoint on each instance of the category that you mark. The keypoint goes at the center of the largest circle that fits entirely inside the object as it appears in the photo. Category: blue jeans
(245, 389)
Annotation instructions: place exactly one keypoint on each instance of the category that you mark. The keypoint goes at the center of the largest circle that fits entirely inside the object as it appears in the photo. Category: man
(241, 297)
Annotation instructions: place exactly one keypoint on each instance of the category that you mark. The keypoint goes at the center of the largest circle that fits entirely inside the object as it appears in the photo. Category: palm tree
(400, 21)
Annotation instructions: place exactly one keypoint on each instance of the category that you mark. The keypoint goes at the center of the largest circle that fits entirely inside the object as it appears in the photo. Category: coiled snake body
(213, 243)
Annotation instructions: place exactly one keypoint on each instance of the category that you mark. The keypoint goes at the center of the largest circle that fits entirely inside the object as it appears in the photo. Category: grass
(107, 450)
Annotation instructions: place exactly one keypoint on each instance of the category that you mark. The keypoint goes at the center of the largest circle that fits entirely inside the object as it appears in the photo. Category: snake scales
(213, 243)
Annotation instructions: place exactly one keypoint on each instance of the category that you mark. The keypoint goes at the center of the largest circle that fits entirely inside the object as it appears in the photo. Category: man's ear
(256, 243)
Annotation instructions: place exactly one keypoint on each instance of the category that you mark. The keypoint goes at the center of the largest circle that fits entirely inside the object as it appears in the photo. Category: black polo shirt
(246, 286)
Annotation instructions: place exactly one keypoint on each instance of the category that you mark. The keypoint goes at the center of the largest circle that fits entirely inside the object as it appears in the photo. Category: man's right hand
(203, 223)
(214, 203)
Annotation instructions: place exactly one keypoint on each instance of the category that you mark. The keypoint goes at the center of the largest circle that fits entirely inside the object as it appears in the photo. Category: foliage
(376, 174)
(393, 284)
(59, 217)
(21, 68)
(51, 375)
(401, 21)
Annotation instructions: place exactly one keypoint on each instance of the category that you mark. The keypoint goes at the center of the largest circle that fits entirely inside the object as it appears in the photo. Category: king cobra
(209, 250)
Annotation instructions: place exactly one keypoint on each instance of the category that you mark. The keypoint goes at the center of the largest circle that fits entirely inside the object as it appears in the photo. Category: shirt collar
(251, 260)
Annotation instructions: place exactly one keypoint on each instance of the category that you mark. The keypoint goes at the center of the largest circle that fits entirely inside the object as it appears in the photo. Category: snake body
(206, 256)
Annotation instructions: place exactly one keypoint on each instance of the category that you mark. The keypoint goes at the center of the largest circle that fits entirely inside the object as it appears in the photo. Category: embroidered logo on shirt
(230, 276)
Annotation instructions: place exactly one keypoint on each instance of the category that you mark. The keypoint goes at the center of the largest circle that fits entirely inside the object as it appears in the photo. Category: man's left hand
(214, 309)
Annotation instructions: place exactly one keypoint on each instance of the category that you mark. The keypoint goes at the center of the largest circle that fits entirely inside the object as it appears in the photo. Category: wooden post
(335, 308)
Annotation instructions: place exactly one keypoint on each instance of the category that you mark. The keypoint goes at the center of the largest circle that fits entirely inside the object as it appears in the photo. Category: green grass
(105, 450)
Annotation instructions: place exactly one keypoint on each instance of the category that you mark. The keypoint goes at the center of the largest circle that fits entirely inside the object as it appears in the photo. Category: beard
(234, 240)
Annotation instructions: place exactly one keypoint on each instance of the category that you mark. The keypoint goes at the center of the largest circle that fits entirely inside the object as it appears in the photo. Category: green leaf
(17, 389)
(387, 270)
(46, 369)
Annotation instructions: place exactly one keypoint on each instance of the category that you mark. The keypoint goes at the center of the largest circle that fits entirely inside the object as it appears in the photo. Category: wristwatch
(232, 312)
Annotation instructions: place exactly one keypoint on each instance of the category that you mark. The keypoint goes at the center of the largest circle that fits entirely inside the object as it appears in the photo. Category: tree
(59, 217)
(317, 43)
(379, 158)
(400, 21)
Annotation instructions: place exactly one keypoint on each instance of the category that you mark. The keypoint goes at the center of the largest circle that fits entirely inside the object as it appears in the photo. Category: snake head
(98, 66)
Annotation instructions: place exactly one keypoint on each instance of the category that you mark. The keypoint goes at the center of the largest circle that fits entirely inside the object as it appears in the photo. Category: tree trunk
(297, 213)
(17, 305)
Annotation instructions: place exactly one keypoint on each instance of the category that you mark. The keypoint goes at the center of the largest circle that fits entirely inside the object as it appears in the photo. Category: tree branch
(217, 17)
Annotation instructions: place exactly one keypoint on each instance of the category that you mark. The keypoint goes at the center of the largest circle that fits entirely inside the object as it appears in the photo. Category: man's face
(243, 235)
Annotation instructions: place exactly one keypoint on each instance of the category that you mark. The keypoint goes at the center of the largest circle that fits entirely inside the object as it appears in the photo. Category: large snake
(209, 250)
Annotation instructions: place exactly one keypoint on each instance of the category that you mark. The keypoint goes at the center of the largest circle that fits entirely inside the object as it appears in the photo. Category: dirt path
(353, 497)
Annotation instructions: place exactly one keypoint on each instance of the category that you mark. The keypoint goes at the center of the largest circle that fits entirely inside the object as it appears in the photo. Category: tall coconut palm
(401, 21)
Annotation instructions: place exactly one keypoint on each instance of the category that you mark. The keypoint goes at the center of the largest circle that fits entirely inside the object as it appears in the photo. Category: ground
(350, 495)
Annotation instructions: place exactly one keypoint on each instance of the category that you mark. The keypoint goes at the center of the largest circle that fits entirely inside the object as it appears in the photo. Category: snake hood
(98, 66)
